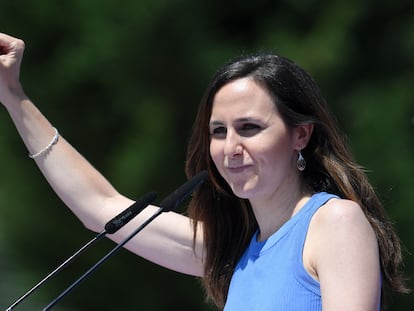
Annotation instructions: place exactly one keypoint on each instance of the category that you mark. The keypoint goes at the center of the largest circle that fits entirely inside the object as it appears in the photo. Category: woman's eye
(244, 130)
(249, 129)
(218, 132)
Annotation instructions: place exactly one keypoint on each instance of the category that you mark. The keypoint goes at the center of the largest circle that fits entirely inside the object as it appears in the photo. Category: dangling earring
(301, 163)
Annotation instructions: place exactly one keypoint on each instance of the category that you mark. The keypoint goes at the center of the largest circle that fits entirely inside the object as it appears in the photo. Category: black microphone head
(174, 199)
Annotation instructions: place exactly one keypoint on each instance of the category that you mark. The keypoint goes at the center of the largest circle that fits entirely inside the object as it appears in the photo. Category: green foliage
(122, 80)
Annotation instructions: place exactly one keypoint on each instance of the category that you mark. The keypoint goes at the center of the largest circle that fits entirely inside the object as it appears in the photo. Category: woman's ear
(303, 134)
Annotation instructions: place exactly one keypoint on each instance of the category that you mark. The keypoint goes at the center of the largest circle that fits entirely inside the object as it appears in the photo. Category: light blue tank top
(270, 275)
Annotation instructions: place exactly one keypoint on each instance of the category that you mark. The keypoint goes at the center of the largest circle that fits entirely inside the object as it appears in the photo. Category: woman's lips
(238, 169)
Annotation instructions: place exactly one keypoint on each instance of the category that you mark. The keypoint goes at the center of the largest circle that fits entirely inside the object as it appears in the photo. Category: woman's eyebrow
(239, 120)
(215, 122)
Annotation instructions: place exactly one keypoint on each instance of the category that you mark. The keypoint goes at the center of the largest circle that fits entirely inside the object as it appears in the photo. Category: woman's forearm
(75, 180)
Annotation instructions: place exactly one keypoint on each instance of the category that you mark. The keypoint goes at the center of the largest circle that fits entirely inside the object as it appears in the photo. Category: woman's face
(250, 144)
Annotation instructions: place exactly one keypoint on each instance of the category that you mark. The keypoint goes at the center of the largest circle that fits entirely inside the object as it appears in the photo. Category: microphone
(172, 201)
(111, 227)
(168, 204)
(128, 214)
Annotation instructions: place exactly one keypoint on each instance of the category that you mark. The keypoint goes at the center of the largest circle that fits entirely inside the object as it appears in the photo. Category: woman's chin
(242, 191)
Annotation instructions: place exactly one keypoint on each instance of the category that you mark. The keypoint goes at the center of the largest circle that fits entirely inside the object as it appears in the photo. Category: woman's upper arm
(167, 241)
(345, 257)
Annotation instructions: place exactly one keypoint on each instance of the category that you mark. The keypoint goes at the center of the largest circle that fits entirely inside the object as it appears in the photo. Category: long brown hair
(228, 222)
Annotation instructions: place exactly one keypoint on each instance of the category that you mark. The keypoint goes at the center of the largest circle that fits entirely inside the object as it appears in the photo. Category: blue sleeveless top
(270, 275)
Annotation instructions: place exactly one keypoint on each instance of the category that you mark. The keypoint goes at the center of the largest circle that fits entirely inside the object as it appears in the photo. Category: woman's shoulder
(340, 221)
(339, 211)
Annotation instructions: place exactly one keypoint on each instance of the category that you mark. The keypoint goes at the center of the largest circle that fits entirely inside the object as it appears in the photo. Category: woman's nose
(232, 145)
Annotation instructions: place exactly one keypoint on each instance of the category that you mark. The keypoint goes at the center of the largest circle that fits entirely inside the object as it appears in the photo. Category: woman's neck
(273, 212)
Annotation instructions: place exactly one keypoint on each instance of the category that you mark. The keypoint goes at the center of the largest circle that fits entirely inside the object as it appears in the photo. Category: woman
(288, 222)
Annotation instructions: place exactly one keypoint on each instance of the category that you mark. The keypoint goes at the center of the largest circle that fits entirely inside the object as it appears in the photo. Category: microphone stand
(102, 260)
(111, 227)
(60, 267)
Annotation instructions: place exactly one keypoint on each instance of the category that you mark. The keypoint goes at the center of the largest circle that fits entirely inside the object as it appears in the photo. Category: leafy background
(122, 80)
